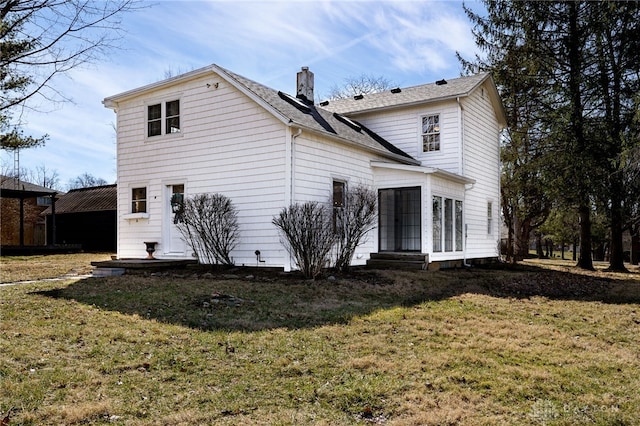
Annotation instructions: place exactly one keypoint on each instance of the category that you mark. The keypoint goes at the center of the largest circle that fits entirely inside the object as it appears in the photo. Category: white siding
(469, 147)
(227, 144)
(482, 163)
(402, 127)
(319, 162)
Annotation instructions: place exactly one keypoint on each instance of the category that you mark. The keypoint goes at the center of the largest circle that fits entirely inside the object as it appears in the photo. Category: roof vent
(441, 82)
(358, 97)
(396, 90)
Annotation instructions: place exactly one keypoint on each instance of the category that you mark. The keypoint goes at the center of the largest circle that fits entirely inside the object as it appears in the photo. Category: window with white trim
(489, 218)
(139, 200)
(157, 125)
(338, 199)
(431, 133)
(447, 224)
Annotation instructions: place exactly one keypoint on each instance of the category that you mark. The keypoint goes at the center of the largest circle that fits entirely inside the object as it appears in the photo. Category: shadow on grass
(250, 299)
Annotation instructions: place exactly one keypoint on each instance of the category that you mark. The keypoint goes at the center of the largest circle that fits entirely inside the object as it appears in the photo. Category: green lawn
(530, 345)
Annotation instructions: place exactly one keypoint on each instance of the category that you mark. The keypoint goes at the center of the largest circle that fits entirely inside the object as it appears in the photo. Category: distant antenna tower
(16, 167)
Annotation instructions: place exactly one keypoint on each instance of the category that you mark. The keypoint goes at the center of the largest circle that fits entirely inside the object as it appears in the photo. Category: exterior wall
(402, 127)
(227, 144)
(318, 163)
(482, 163)
(430, 186)
(469, 147)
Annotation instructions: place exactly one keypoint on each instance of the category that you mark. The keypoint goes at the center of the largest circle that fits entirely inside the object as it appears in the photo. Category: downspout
(466, 187)
(292, 175)
(293, 165)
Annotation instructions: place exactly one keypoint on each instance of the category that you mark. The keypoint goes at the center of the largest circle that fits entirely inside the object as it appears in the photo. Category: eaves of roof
(309, 117)
(418, 95)
(83, 200)
(425, 170)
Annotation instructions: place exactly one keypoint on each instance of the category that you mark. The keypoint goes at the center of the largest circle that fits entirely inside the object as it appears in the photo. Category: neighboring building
(431, 152)
(21, 205)
(86, 217)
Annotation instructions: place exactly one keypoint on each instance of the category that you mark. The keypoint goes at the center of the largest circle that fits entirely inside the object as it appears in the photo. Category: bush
(308, 235)
(209, 224)
(353, 222)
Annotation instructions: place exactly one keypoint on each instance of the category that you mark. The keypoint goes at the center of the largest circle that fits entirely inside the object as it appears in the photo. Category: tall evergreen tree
(580, 73)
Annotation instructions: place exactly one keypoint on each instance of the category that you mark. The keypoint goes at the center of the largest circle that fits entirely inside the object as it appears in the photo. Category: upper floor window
(431, 133)
(138, 200)
(171, 124)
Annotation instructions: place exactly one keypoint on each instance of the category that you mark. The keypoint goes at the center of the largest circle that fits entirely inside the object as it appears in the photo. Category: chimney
(305, 85)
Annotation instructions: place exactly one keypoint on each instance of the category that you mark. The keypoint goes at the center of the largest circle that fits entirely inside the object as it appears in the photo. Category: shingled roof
(82, 200)
(440, 90)
(307, 115)
(289, 109)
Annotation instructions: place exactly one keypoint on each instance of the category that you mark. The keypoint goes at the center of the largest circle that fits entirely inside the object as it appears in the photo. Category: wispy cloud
(409, 42)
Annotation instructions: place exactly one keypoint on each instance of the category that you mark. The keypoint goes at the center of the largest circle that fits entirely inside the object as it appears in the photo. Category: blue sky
(407, 42)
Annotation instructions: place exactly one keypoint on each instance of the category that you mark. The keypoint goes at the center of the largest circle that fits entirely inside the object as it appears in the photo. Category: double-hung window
(431, 133)
(139, 200)
(163, 118)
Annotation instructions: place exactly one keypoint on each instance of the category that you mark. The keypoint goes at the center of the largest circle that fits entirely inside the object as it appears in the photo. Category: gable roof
(82, 200)
(292, 111)
(14, 188)
(417, 95)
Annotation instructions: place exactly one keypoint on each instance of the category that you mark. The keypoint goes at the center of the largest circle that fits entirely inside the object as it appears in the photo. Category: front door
(399, 219)
(174, 242)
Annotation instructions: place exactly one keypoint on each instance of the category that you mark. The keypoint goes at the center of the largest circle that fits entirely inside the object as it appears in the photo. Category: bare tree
(209, 224)
(352, 223)
(307, 235)
(42, 39)
(362, 85)
(86, 180)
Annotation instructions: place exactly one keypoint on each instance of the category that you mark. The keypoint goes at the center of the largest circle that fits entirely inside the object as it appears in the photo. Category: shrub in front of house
(209, 224)
(352, 222)
(307, 234)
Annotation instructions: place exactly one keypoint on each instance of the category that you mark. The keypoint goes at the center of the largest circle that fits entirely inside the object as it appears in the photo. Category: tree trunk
(616, 253)
(585, 260)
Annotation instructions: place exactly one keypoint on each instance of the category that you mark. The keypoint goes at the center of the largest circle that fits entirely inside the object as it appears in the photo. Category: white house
(431, 152)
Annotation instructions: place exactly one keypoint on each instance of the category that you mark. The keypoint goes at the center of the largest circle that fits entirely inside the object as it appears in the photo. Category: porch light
(177, 203)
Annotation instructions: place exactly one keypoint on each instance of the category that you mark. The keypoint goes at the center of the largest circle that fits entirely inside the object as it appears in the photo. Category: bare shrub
(307, 235)
(209, 224)
(353, 221)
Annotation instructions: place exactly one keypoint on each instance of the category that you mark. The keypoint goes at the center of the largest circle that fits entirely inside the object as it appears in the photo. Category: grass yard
(533, 345)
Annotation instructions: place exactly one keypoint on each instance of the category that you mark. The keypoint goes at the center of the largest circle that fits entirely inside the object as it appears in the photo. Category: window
(337, 200)
(153, 120)
(447, 224)
(139, 200)
(437, 224)
(173, 117)
(489, 218)
(171, 122)
(431, 133)
(458, 225)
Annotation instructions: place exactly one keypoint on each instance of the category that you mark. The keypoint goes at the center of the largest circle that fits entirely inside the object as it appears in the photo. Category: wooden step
(400, 261)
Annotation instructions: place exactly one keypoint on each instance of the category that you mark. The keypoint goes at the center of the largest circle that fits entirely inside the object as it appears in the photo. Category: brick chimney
(305, 85)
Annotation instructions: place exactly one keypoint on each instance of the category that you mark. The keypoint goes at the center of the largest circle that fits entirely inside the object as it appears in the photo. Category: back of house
(431, 153)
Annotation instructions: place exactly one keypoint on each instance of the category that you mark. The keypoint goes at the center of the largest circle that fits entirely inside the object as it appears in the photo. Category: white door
(174, 242)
